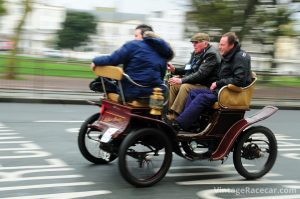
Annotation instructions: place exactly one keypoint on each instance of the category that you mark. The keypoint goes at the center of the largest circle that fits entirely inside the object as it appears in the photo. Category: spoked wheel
(194, 149)
(89, 143)
(145, 156)
(255, 153)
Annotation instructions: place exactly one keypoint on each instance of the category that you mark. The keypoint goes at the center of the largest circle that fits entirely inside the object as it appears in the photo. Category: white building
(40, 27)
(114, 28)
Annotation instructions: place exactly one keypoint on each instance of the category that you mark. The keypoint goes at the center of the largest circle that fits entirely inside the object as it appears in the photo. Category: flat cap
(200, 37)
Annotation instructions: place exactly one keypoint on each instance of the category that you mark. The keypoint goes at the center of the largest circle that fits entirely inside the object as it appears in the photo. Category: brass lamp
(156, 102)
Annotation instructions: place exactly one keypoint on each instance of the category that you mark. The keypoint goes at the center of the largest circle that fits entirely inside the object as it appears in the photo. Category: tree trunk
(12, 61)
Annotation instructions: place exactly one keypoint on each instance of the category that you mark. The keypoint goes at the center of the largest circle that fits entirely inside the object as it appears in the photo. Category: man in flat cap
(200, 72)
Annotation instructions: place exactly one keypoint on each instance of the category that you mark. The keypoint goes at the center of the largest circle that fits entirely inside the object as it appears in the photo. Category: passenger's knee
(186, 87)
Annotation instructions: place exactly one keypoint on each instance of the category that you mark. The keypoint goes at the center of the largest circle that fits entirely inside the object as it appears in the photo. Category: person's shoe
(175, 125)
(171, 116)
(96, 86)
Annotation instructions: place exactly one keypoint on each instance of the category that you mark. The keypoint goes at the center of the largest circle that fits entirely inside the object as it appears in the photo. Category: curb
(43, 101)
(256, 103)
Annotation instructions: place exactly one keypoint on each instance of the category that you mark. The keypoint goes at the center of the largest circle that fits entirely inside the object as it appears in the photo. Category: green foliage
(2, 8)
(262, 20)
(76, 29)
(48, 67)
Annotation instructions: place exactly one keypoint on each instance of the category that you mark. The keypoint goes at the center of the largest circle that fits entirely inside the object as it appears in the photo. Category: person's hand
(92, 66)
(175, 80)
(171, 67)
(213, 86)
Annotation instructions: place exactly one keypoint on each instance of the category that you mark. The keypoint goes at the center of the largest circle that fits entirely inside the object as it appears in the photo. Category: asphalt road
(39, 158)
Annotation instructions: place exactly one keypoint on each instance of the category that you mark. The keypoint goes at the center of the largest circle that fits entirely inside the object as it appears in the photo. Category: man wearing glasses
(200, 72)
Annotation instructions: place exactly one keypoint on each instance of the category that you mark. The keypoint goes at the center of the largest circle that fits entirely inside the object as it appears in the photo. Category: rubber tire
(272, 157)
(129, 140)
(81, 142)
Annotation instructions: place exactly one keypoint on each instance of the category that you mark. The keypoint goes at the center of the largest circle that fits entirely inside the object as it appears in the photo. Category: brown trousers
(178, 95)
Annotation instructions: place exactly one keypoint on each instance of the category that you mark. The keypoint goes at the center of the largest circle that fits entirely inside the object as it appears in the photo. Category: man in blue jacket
(145, 61)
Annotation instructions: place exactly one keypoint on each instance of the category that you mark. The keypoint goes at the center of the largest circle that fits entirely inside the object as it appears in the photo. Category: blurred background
(48, 44)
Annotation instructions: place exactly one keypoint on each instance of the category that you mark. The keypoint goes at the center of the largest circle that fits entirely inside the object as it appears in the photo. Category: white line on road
(237, 181)
(73, 130)
(291, 149)
(40, 178)
(69, 195)
(295, 156)
(41, 186)
(292, 186)
(15, 142)
(210, 173)
(52, 163)
(27, 146)
(9, 134)
(10, 138)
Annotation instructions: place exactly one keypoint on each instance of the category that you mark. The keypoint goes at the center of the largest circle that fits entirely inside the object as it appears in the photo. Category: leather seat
(233, 97)
(118, 74)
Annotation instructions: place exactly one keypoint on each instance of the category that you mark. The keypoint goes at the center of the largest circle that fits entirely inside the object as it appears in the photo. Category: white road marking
(235, 180)
(5, 130)
(210, 173)
(26, 146)
(292, 186)
(17, 174)
(69, 195)
(10, 138)
(30, 154)
(40, 178)
(52, 163)
(291, 149)
(73, 130)
(9, 134)
(295, 156)
(42, 186)
(15, 142)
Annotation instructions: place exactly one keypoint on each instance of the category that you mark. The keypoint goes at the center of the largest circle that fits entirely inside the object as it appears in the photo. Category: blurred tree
(260, 20)
(256, 18)
(11, 66)
(76, 29)
(2, 8)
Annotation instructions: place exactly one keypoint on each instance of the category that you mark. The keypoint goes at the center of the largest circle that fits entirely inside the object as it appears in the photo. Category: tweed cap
(200, 37)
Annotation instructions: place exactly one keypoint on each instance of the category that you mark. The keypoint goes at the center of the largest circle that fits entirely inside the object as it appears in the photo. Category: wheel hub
(251, 151)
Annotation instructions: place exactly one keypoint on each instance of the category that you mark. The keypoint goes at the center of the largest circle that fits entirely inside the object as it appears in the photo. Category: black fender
(168, 130)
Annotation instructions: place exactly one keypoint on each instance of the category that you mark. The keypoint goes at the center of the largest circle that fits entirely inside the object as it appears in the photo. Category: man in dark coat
(235, 69)
(200, 72)
(145, 61)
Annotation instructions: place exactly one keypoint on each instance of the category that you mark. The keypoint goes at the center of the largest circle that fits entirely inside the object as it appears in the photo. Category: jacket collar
(232, 52)
(200, 55)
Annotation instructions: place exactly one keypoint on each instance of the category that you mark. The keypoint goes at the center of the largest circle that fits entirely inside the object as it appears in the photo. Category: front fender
(138, 120)
(232, 134)
(165, 127)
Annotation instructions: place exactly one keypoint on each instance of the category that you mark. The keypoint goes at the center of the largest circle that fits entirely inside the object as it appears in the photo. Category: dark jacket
(204, 67)
(235, 68)
(145, 61)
